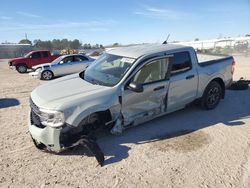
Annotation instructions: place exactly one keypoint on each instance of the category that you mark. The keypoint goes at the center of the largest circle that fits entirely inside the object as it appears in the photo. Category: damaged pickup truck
(123, 88)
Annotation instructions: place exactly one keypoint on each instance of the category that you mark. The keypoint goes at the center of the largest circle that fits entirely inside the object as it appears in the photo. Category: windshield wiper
(95, 82)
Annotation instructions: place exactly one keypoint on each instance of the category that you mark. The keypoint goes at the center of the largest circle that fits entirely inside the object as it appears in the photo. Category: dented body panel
(85, 104)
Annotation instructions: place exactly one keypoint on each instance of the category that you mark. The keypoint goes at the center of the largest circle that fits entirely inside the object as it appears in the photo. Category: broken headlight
(51, 118)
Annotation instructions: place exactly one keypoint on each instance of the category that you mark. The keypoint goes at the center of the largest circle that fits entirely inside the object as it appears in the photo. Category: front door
(140, 107)
(36, 58)
(65, 66)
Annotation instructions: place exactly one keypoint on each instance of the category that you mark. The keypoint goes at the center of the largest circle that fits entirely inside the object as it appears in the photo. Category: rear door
(46, 57)
(80, 63)
(138, 107)
(183, 81)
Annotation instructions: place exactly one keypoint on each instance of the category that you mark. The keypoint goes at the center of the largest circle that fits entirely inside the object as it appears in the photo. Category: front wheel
(211, 96)
(21, 68)
(47, 75)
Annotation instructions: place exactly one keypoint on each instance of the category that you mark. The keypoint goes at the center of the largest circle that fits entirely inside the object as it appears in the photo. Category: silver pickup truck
(123, 88)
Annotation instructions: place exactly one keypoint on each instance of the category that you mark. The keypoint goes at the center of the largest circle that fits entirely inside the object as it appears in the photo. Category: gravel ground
(188, 148)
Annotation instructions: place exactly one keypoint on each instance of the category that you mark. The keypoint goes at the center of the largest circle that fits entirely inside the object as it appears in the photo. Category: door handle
(189, 77)
(158, 88)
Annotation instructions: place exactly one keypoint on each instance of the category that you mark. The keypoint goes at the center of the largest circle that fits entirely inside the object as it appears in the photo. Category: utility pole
(26, 36)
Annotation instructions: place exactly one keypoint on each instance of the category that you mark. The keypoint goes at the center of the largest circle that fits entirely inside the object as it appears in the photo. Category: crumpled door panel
(151, 102)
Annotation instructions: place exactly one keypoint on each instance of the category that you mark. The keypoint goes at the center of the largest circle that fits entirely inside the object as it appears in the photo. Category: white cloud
(158, 13)
(5, 18)
(28, 14)
(66, 25)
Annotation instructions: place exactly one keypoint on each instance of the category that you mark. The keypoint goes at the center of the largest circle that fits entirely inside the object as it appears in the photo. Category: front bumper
(12, 67)
(47, 136)
(35, 74)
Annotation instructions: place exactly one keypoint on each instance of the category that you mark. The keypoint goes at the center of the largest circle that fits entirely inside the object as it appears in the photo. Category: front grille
(34, 115)
(33, 106)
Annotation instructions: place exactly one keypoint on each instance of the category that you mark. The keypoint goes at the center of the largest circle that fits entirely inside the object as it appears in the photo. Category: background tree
(116, 44)
(75, 44)
(25, 41)
(57, 44)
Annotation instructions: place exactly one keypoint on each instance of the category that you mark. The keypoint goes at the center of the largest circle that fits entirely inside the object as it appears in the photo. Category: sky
(129, 21)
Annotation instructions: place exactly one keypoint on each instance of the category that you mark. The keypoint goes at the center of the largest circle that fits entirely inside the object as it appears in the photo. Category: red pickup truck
(21, 64)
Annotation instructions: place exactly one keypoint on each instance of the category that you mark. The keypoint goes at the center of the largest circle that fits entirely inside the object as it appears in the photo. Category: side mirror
(61, 62)
(136, 87)
(30, 57)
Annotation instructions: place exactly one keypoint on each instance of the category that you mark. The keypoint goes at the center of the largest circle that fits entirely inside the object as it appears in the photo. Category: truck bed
(208, 59)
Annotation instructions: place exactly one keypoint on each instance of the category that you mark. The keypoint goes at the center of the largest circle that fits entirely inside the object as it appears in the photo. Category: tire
(21, 68)
(211, 96)
(47, 75)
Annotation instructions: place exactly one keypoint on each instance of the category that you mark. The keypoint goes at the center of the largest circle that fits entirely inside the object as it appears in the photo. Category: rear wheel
(47, 75)
(211, 96)
(21, 68)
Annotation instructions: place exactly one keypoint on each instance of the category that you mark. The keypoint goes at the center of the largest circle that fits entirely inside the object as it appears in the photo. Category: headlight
(51, 118)
(38, 69)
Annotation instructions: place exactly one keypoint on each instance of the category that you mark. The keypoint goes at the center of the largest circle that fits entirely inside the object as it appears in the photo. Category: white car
(61, 66)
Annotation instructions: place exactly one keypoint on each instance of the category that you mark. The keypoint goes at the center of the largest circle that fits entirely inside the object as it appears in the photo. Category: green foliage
(57, 44)
(25, 41)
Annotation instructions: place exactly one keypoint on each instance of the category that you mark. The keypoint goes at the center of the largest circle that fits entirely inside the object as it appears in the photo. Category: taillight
(233, 67)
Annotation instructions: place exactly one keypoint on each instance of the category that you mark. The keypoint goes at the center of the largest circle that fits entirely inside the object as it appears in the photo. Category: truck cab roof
(144, 49)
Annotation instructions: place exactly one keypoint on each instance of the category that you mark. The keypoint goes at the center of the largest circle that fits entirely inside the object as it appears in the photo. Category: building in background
(232, 42)
(14, 50)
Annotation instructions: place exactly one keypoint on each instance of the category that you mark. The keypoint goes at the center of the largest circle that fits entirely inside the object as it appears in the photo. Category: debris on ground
(241, 84)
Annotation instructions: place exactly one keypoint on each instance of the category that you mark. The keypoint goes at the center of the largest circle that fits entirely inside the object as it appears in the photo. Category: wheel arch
(203, 101)
(20, 64)
(104, 114)
(222, 84)
(204, 82)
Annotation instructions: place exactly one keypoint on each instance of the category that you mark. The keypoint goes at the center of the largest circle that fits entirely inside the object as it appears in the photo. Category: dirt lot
(189, 148)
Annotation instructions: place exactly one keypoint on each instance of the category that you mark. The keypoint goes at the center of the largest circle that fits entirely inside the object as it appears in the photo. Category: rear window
(80, 58)
(181, 62)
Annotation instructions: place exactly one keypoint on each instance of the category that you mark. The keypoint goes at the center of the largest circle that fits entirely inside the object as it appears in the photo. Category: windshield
(57, 60)
(108, 70)
(28, 54)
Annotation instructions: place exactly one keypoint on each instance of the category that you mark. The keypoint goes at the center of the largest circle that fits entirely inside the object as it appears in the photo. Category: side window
(181, 62)
(80, 58)
(36, 55)
(152, 72)
(45, 54)
(66, 60)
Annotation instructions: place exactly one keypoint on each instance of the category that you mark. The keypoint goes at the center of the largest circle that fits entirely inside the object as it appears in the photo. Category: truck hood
(17, 59)
(56, 93)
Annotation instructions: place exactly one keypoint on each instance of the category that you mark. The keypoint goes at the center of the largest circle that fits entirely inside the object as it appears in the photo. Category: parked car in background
(94, 53)
(123, 88)
(22, 64)
(61, 66)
